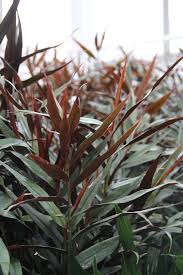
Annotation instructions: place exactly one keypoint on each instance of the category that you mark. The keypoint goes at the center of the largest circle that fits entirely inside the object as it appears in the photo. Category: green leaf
(23, 125)
(130, 265)
(100, 251)
(88, 197)
(166, 165)
(35, 168)
(95, 269)
(98, 133)
(9, 142)
(4, 258)
(89, 120)
(15, 267)
(118, 190)
(44, 223)
(7, 132)
(179, 263)
(125, 231)
(37, 191)
(5, 200)
(74, 267)
(94, 164)
(4, 213)
(136, 195)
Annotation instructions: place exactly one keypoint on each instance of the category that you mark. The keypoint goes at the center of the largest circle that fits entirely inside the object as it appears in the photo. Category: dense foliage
(90, 163)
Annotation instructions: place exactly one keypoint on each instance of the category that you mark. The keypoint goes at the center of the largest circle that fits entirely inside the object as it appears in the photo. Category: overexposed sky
(44, 22)
(135, 24)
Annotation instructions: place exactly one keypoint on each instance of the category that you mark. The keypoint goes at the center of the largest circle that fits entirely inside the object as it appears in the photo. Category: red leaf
(170, 169)
(146, 183)
(53, 170)
(120, 84)
(143, 86)
(74, 116)
(53, 107)
(80, 195)
(155, 106)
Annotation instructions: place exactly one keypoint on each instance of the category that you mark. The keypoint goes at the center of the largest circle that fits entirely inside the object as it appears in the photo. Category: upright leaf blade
(4, 258)
(37, 191)
(74, 267)
(92, 167)
(15, 267)
(98, 133)
(95, 269)
(143, 86)
(125, 231)
(7, 21)
(85, 49)
(120, 85)
(53, 108)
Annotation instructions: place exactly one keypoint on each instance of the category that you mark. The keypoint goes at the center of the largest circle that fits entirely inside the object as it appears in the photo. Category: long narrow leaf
(39, 76)
(120, 85)
(37, 191)
(92, 167)
(125, 231)
(8, 19)
(152, 130)
(100, 250)
(143, 86)
(98, 133)
(4, 258)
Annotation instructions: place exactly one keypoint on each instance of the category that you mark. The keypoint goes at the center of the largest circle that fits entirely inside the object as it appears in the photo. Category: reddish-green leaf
(94, 165)
(39, 76)
(53, 170)
(155, 106)
(166, 73)
(150, 131)
(125, 231)
(129, 112)
(143, 86)
(99, 132)
(145, 184)
(170, 169)
(37, 52)
(120, 84)
(74, 116)
(86, 50)
(11, 99)
(53, 107)
(81, 193)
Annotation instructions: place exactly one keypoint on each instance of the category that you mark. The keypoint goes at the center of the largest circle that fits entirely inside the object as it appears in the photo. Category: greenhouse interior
(91, 137)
